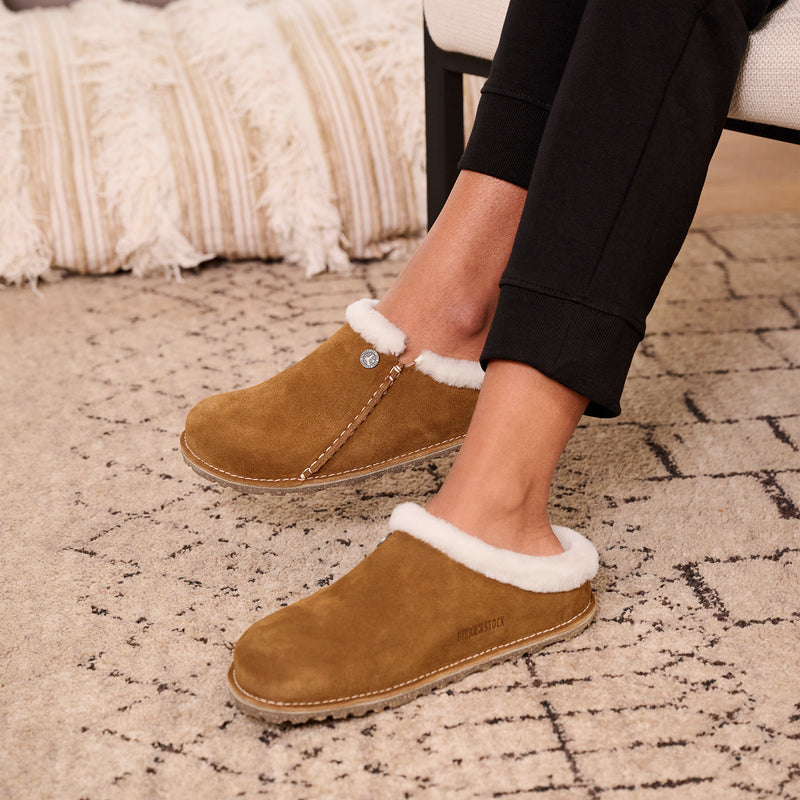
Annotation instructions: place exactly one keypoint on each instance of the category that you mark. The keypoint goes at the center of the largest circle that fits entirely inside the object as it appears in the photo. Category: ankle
(449, 325)
(469, 318)
(446, 296)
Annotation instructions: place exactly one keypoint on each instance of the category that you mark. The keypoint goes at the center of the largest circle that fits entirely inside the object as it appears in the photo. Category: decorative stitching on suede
(329, 475)
(326, 454)
(419, 677)
(387, 460)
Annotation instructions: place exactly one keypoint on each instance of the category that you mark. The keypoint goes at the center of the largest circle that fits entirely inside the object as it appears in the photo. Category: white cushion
(471, 27)
(769, 84)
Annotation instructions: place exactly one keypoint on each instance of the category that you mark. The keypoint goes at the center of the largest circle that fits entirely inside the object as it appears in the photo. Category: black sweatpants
(608, 112)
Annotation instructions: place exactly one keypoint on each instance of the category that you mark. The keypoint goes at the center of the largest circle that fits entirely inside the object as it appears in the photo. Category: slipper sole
(284, 485)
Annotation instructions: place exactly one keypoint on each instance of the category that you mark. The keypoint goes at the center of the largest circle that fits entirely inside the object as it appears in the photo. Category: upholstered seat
(462, 35)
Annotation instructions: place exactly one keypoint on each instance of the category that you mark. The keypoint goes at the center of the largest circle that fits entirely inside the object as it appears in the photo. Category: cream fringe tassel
(387, 37)
(236, 42)
(24, 251)
(121, 46)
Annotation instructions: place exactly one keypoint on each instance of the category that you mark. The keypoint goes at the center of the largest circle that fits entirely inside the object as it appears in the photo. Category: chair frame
(444, 119)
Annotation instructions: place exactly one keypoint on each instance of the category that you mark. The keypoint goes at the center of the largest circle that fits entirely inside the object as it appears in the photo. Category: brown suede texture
(326, 416)
(405, 616)
(417, 416)
(275, 430)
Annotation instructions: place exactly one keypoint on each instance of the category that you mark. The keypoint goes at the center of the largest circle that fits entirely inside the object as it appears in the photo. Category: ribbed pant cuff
(583, 349)
(505, 138)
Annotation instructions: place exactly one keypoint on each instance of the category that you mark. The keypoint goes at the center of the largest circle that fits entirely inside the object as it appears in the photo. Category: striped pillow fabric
(142, 138)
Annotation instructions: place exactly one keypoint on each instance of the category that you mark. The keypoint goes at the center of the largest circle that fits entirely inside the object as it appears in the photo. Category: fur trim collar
(568, 570)
(457, 372)
(386, 337)
(373, 327)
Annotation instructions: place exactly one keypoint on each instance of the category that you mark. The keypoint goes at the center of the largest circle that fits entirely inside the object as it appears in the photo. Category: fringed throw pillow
(139, 138)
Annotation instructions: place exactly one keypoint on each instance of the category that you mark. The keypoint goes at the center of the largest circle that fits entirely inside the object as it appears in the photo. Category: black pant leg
(534, 47)
(623, 157)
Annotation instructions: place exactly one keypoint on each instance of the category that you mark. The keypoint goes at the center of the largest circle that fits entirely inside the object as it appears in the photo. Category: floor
(127, 579)
(749, 174)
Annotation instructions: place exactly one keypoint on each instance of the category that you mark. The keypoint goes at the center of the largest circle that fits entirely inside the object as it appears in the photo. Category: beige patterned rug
(126, 579)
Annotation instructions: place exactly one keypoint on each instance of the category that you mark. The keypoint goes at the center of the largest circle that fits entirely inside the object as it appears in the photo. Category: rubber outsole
(310, 484)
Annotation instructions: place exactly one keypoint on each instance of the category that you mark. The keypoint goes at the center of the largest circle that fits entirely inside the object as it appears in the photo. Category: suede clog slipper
(348, 410)
(429, 606)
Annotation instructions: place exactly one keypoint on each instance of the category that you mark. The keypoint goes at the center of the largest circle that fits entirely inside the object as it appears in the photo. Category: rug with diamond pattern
(125, 579)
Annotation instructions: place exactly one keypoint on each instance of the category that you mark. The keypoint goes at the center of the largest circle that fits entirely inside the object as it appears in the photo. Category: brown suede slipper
(348, 410)
(429, 606)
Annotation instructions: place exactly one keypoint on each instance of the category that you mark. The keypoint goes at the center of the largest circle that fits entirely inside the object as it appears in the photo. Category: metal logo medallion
(369, 359)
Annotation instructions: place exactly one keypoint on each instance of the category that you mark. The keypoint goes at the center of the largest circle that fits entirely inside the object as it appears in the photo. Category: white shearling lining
(457, 372)
(386, 337)
(372, 326)
(568, 570)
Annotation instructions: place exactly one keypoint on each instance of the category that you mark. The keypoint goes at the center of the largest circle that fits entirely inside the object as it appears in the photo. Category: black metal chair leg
(444, 126)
